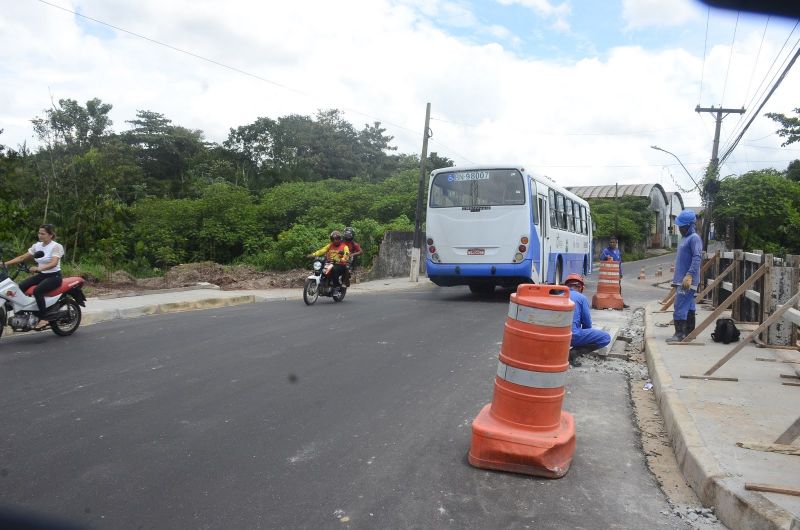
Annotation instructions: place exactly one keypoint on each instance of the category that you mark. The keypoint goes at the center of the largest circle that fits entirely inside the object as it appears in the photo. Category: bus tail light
(523, 248)
(432, 250)
(430, 241)
(435, 258)
(518, 257)
(524, 240)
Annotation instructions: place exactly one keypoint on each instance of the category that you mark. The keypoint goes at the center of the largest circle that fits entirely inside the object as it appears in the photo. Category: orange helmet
(572, 278)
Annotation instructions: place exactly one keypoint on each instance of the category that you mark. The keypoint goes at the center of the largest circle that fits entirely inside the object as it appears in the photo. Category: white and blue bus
(500, 225)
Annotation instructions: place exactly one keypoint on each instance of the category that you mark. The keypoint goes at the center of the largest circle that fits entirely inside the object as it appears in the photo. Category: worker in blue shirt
(585, 339)
(612, 252)
(687, 275)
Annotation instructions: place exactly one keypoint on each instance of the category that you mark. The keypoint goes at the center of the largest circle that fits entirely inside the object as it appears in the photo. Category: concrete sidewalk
(705, 420)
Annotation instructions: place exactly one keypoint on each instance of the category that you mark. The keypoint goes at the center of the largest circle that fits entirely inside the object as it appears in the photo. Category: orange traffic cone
(642, 275)
(523, 429)
(608, 290)
(659, 272)
(672, 268)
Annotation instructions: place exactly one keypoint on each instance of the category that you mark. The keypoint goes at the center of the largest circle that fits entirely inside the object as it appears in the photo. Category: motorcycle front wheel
(339, 297)
(310, 292)
(69, 318)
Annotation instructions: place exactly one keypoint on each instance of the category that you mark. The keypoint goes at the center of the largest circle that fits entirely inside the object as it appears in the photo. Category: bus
(491, 226)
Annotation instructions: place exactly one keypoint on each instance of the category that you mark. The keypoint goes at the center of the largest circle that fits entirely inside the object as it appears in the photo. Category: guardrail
(754, 286)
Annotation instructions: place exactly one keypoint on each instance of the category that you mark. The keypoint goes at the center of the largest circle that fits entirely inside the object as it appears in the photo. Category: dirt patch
(227, 277)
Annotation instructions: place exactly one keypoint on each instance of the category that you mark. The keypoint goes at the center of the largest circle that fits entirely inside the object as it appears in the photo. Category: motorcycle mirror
(38, 254)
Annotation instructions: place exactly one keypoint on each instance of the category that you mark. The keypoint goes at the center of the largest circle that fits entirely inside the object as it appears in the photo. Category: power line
(705, 47)
(756, 95)
(217, 63)
(755, 63)
(547, 133)
(730, 57)
(755, 114)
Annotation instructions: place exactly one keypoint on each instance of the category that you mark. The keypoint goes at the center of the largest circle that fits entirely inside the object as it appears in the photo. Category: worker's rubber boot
(680, 331)
(573, 357)
(690, 322)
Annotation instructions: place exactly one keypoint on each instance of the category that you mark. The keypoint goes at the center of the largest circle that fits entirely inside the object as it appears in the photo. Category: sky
(577, 90)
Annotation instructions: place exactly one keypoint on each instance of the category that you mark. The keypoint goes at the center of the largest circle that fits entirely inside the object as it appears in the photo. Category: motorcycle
(19, 310)
(320, 283)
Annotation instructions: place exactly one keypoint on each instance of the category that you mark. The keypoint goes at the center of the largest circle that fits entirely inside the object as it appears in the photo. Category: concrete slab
(706, 418)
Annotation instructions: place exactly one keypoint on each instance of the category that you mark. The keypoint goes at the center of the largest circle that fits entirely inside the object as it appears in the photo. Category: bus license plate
(476, 252)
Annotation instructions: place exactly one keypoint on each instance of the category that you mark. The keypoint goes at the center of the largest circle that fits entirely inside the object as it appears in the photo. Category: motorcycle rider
(355, 250)
(48, 269)
(338, 253)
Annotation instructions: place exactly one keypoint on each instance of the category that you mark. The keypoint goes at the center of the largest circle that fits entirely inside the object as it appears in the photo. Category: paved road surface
(279, 415)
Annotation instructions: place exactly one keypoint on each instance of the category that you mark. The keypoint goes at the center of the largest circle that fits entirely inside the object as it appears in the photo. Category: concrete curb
(160, 309)
(734, 506)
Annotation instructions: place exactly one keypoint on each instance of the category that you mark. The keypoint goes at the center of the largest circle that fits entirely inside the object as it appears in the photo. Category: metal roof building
(665, 206)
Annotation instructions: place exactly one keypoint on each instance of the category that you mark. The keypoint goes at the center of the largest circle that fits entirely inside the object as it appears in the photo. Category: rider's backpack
(725, 331)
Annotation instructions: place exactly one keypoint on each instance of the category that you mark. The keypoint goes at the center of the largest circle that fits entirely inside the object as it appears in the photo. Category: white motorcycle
(19, 311)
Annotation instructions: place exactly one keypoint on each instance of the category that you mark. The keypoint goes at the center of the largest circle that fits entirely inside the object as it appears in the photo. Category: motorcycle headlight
(317, 265)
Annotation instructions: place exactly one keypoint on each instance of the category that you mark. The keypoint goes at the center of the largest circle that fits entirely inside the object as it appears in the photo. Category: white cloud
(645, 13)
(587, 122)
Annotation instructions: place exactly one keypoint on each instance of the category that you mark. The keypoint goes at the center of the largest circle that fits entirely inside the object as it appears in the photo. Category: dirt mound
(227, 277)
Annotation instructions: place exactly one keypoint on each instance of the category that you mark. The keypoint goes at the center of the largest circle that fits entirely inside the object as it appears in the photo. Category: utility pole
(415, 251)
(711, 185)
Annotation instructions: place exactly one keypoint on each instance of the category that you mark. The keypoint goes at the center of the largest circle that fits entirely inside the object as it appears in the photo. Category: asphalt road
(278, 415)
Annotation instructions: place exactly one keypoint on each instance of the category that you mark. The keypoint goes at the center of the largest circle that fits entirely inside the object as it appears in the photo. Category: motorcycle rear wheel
(310, 292)
(69, 318)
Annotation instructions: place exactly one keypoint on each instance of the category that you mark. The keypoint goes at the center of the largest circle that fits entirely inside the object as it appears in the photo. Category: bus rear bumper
(503, 274)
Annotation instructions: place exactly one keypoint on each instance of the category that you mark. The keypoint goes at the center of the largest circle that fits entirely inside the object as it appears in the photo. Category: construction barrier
(609, 294)
(523, 429)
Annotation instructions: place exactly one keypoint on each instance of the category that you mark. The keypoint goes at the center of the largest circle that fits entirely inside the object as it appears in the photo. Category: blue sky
(578, 89)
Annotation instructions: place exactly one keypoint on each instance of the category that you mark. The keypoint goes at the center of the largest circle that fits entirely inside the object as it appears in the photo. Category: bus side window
(562, 215)
(534, 204)
(583, 220)
(553, 214)
(576, 213)
(570, 218)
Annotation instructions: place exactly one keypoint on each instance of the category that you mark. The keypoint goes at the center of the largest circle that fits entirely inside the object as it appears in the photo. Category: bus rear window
(484, 187)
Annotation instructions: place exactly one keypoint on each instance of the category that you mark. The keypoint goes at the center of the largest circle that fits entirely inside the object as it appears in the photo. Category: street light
(697, 186)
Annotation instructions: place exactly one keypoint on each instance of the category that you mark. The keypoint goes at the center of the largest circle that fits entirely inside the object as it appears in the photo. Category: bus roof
(543, 179)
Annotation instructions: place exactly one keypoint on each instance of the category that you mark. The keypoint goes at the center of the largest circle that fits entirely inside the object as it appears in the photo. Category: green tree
(790, 126)
(764, 209)
(627, 217)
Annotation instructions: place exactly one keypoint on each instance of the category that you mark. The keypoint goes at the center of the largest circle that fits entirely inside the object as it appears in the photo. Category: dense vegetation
(158, 194)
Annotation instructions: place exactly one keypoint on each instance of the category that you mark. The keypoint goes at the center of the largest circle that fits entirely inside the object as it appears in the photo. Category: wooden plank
(728, 286)
(755, 258)
(727, 255)
(787, 376)
(724, 305)
(767, 323)
(790, 434)
(791, 384)
(707, 378)
(668, 302)
(776, 360)
(772, 489)
(753, 296)
(783, 449)
(793, 315)
(713, 283)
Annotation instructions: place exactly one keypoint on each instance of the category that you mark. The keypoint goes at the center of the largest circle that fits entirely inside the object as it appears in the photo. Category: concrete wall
(394, 257)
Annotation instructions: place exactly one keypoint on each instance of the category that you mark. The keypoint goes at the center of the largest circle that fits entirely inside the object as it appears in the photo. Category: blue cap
(686, 217)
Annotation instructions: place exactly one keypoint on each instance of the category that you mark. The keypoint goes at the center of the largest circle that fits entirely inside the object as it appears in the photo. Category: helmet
(336, 235)
(685, 218)
(573, 278)
(349, 234)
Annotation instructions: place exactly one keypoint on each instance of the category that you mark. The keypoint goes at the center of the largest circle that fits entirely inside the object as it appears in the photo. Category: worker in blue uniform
(687, 275)
(585, 339)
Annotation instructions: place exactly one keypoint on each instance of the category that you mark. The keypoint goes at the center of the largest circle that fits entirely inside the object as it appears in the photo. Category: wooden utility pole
(415, 251)
(709, 189)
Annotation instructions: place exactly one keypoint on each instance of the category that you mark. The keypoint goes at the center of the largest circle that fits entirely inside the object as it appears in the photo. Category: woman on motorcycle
(48, 268)
(338, 253)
